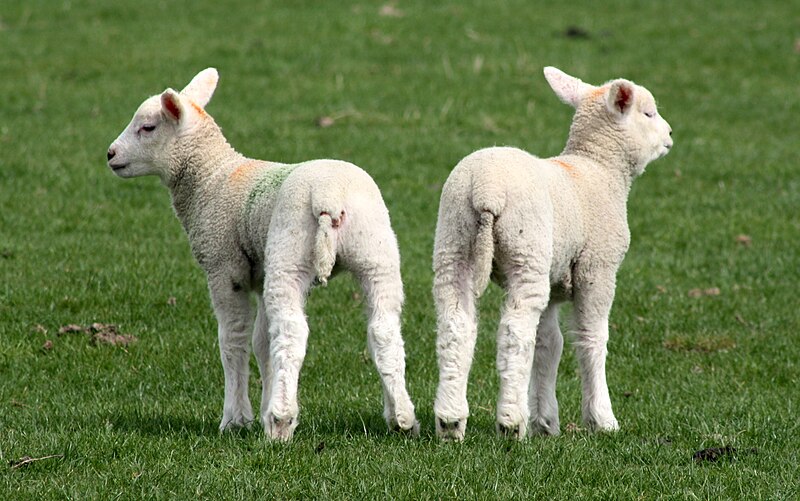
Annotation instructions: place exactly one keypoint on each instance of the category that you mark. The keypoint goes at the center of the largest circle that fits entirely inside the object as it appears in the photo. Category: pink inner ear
(172, 108)
(624, 98)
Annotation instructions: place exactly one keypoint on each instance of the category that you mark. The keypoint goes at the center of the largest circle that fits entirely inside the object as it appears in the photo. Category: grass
(410, 95)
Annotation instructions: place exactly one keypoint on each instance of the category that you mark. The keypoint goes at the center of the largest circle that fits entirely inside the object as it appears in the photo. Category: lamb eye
(148, 128)
(649, 114)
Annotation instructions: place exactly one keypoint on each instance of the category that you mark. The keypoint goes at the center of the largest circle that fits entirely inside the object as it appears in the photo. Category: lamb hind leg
(455, 344)
(284, 299)
(528, 294)
(232, 308)
(384, 294)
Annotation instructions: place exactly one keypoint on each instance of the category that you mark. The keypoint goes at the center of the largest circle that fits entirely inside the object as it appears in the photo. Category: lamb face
(630, 111)
(647, 128)
(145, 146)
(618, 118)
(142, 148)
(621, 118)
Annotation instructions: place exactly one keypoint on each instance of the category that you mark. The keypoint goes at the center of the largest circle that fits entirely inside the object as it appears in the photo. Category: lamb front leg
(593, 298)
(261, 351)
(542, 397)
(233, 312)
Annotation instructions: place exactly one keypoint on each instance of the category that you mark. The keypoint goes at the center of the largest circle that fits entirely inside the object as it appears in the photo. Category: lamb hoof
(515, 431)
(280, 429)
(412, 431)
(607, 424)
(230, 423)
(451, 431)
(544, 426)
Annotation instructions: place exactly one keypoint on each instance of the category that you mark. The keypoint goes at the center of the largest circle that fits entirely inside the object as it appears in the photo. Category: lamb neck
(198, 174)
(616, 163)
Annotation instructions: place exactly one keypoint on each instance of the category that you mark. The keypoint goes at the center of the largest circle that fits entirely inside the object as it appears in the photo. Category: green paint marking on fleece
(268, 182)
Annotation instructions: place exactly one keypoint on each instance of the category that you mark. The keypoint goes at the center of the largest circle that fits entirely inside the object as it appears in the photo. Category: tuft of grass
(405, 90)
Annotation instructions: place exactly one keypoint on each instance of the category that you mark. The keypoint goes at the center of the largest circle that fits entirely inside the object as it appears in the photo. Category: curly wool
(548, 231)
(273, 230)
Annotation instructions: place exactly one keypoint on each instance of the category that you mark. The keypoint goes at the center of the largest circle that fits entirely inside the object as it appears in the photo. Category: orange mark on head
(200, 111)
(597, 92)
(566, 166)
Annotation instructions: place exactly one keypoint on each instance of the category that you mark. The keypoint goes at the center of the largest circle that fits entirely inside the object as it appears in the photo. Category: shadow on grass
(167, 424)
(347, 423)
(364, 422)
(351, 424)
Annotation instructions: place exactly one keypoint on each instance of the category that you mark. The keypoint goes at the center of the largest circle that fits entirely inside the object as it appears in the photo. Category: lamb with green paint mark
(270, 229)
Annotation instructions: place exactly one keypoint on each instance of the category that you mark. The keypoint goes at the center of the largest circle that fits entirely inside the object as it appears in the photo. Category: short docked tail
(483, 253)
(325, 247)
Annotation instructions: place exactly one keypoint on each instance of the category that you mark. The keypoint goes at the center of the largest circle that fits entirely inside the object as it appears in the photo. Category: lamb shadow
(360, 422)
(357, 422)
(166, 424)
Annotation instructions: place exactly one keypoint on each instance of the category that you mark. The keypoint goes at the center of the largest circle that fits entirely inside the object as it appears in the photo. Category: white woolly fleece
(548, 231)
(273, 230)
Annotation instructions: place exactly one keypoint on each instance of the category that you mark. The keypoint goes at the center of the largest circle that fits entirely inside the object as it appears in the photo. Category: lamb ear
(568, 88)
(620, 97)
(202, 86)
(171, 105)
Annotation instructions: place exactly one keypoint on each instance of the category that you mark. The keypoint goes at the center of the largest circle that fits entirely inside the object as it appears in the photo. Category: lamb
(273, 230)
(547, 231)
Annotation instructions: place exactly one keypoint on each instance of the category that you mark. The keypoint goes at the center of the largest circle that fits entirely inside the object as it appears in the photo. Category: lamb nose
(111, 153)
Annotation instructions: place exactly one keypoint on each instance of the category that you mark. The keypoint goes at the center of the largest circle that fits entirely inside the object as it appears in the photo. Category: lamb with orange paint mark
(274, 230)
(547, 231)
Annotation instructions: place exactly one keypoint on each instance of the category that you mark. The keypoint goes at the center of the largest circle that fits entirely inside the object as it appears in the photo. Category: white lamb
(273, 230)
(548, 231)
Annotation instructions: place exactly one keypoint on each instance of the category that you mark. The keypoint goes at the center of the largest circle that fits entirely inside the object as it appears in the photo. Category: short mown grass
(411, 87)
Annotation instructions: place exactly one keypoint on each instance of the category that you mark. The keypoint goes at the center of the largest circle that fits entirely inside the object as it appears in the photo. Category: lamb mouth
(117, 167)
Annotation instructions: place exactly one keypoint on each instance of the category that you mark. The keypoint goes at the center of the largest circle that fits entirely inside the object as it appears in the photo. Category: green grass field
(704, 345)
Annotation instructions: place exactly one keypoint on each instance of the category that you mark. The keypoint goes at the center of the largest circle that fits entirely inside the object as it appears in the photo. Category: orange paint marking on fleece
(200, 111)
(594, 94)
(567, 167)
(242, 172)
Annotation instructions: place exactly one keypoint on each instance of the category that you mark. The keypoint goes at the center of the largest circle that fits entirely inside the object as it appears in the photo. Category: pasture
(704, 350)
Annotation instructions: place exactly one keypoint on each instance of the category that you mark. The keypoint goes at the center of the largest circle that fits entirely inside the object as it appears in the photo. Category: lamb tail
(483, 253)
(325, 247)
